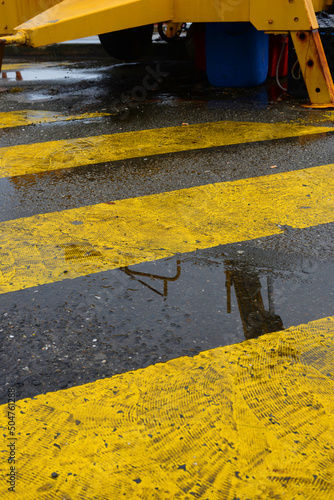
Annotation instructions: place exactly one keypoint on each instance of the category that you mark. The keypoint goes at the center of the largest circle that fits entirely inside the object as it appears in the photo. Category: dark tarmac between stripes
(77, 331)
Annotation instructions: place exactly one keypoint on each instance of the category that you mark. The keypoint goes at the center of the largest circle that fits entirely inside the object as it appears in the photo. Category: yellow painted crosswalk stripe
(41, 157)
(52, 247)
(33, 117)
(251, 420)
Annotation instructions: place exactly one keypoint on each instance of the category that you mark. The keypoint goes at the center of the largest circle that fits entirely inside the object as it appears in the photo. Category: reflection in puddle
(157, 311)
(18, 76)
(220, 300)
(256, 320)
(165, 279)
(48, 73)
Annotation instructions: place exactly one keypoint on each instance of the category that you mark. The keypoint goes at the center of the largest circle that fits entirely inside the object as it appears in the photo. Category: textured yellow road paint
(318, 117)
(251, 421)
(31, 117)
(33, 158)
(56, 246)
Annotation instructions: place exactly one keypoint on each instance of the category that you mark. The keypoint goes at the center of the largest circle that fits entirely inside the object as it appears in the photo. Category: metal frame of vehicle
(42, 22)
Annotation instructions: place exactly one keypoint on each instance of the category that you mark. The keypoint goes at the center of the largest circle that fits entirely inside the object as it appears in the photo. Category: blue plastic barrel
(237, 55)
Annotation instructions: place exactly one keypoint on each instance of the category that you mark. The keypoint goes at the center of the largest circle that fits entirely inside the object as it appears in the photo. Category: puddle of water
(219, 303)
(48, 73)
(21, 66)
(157, 311)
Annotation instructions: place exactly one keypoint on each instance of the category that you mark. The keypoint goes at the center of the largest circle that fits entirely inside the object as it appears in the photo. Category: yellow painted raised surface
(40, 157)
(61, 245)
(32, 117)
(250, 421)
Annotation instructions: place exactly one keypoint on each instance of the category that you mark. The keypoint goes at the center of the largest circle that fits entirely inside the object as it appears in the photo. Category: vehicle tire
(128, 44)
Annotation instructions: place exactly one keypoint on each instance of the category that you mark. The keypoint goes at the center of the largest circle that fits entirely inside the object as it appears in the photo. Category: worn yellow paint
(252, 421)
(56, 246)
(314, 66)
(318, 117)
(21, 66)
(32, 117)
(39, 157)
(283, 15)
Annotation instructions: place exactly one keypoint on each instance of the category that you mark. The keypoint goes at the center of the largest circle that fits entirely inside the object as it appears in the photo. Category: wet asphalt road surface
(76, 331)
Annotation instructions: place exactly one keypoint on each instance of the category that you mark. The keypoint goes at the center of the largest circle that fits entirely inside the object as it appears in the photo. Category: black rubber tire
(129, 44)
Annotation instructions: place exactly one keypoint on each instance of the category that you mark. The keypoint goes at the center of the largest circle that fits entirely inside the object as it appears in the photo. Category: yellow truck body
(42, 22)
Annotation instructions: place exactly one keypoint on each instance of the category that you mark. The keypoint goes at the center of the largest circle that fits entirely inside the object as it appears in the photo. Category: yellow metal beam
(314, 66)
(283, 15)
(73, 19)
(15, 12)
(321, 4)
(70, 19)
(211, 11)
(298, 17)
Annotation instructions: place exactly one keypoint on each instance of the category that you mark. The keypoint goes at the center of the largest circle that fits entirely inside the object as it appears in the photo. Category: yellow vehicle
(42, 22)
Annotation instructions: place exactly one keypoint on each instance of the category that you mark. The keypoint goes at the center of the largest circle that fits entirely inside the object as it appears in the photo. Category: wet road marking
(63, 245)
(39, 65)
(31, 117)
(55, 155)
(251, 420)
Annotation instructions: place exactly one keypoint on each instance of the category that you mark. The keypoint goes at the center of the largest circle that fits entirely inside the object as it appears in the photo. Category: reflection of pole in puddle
(270, 287)
(18, 76)
(256, 320)
(165, 279)
(2, 49)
